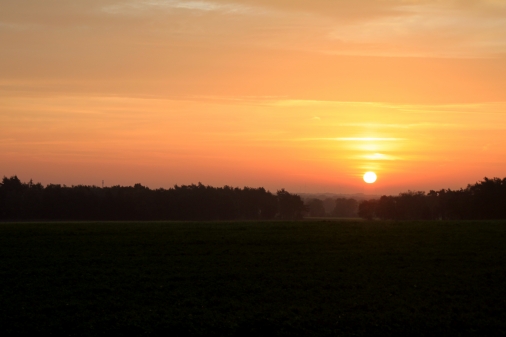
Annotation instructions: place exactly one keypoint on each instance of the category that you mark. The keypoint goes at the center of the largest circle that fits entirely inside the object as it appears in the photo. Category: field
(305, 278)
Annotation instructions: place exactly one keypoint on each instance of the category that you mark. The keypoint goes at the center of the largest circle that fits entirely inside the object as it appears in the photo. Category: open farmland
(347, 278)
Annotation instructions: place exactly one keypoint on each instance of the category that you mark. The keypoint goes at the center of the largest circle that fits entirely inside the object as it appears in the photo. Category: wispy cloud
(379, 156)
(400, 126)
(17, 26)
(133, 7)
(444, 29)
(365, 139)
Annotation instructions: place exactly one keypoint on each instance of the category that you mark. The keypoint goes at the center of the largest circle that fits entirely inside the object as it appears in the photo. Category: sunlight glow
(301, 95)
(370, 177)
(378, 156)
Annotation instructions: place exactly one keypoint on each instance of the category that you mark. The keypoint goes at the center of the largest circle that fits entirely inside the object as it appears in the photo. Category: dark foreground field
(253, 279)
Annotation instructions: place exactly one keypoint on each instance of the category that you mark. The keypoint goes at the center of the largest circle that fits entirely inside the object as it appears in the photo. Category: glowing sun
(370, 177)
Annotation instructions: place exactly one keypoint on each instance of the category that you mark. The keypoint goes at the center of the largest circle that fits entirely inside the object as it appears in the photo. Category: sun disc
(370, 177)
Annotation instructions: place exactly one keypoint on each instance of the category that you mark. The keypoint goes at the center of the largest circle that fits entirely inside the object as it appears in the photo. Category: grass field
(250, 279)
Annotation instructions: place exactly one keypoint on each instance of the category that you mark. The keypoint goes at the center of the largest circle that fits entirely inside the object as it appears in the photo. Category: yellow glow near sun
(370, 177)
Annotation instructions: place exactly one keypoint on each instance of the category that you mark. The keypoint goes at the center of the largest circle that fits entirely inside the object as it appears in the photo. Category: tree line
(339, 207)
(484, 200)
(33, 201)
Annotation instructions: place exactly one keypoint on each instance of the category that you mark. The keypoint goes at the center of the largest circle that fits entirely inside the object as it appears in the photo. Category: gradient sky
(305, 95)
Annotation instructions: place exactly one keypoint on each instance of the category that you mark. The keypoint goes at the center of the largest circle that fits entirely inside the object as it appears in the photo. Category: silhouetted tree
(29, 201)
(488, 199)
(290, 206)
(484, 200)
(20, 201)
(345, 208)
(329, 205)
(12, 197)
(367, 209)
(387, 208)
(315, 208)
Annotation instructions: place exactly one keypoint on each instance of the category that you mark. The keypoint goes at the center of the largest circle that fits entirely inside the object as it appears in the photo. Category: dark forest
(485, 200)
(30, 201)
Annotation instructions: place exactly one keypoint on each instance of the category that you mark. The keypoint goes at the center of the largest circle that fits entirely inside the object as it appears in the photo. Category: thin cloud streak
(378, 157)
(133, 7)
(367, 139)
(439, 30)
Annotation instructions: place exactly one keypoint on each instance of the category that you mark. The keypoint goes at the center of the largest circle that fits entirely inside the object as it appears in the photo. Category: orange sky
(305, 95)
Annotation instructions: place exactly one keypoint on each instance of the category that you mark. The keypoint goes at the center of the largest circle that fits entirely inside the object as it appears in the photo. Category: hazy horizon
(368, 190)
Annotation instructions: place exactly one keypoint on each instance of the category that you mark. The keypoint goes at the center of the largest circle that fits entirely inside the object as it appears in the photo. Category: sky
(295, 94)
